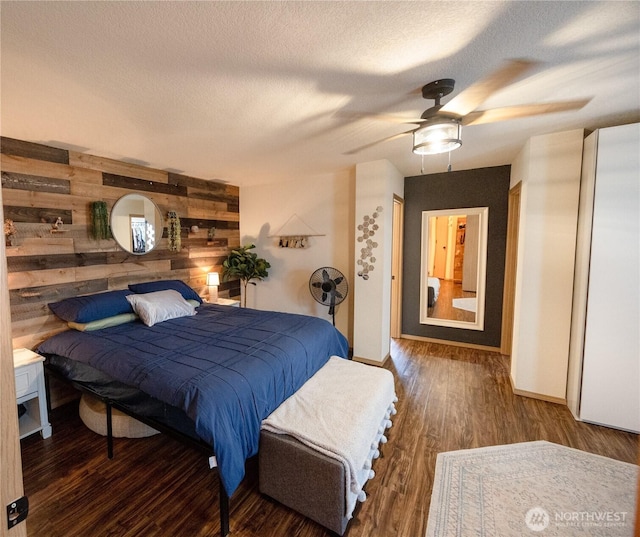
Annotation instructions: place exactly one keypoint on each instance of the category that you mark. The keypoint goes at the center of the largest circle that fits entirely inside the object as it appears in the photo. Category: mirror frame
(483, 213)
(159, 222)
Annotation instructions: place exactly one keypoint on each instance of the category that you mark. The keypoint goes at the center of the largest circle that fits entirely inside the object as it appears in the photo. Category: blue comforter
(227, 368)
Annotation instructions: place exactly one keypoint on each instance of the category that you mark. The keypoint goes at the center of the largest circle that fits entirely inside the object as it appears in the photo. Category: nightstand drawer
(26, 380)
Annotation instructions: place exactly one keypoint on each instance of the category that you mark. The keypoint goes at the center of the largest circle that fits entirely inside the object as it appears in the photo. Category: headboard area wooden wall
(41, 184)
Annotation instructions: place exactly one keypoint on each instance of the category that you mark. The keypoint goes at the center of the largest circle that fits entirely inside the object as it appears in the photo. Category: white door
(611, 366)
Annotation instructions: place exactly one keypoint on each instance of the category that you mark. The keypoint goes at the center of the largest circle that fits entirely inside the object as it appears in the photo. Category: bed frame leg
(109, 431)
(224, 510)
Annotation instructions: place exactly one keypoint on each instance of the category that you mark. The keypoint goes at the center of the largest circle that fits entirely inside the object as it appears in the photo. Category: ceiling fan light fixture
(437, 135)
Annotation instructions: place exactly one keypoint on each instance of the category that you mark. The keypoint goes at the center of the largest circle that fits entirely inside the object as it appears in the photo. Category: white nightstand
(222, 301)
(227, 302)
(31, 392)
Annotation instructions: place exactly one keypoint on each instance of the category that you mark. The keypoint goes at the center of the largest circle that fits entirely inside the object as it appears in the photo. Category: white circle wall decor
(368, 229)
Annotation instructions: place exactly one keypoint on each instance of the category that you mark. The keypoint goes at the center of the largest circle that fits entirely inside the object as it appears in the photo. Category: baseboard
(368, 361)
(533, 395)
(452, 343)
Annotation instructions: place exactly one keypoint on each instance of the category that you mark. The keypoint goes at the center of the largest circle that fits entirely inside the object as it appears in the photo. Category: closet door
(611, 367)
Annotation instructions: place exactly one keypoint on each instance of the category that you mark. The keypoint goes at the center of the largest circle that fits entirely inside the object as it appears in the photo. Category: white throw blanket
(342, 411)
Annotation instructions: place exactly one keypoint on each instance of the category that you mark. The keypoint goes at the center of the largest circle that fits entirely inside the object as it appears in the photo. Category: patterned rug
(532, 488)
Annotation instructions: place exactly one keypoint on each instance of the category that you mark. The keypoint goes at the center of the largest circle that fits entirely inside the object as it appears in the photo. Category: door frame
(11, 484)
(396, 266)
(510, 266)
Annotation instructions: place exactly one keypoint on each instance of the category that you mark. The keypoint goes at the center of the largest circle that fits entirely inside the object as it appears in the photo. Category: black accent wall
(484, 187)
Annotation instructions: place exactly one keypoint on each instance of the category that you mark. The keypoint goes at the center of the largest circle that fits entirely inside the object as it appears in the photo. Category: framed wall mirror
(136, 223)
(453, 267)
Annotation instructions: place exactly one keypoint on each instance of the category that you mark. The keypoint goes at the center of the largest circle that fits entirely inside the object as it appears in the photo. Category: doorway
(396, 267)
(511, 262)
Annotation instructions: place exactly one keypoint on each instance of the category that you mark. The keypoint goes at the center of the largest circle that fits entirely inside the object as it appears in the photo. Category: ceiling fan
(439, 128)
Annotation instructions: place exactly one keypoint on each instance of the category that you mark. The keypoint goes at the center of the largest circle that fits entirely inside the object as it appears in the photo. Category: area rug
(531, 488)
(467, 304)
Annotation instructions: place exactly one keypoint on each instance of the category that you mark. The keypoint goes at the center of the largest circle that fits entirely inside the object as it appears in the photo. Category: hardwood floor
(449, 398)
(443, 308)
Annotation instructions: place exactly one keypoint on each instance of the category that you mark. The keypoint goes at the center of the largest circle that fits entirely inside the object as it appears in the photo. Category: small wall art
(368, 229)
(295, 233)
(173, 231)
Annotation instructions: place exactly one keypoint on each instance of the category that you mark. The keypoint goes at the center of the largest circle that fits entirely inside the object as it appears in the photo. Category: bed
(211, 375)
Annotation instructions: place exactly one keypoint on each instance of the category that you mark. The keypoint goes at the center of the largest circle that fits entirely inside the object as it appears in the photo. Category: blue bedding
(227, 368)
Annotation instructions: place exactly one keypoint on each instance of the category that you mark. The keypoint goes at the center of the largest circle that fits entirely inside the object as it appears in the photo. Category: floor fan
(329, 287)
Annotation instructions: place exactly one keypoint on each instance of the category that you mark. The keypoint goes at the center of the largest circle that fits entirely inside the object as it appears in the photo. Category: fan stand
(328, 287)
(332, 312)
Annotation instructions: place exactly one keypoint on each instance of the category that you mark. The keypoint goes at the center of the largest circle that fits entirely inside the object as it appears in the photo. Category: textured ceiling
(252, 92)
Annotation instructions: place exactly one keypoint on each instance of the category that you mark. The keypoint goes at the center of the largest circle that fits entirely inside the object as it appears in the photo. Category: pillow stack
(151, 302)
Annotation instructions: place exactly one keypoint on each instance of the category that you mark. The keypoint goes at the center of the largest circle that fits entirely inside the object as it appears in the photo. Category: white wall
(549, 167)
(376, 184)
(326, 204)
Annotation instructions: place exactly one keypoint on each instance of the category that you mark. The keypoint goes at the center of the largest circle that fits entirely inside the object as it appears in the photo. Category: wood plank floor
(450, 398)
(443, 307)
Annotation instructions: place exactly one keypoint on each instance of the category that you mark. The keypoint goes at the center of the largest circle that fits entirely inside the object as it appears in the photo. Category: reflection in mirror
(136, 223)
(453, 267)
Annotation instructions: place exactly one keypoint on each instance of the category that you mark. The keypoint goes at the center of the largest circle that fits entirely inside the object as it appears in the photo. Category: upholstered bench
(317, 448)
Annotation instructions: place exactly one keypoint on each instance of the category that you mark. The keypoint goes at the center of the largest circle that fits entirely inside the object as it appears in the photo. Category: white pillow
(160, 306)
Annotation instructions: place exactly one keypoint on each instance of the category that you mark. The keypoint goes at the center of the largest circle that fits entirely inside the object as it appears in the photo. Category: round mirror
(136, 223)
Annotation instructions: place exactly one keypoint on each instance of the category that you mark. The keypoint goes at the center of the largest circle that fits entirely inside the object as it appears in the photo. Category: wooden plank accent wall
(41, 183)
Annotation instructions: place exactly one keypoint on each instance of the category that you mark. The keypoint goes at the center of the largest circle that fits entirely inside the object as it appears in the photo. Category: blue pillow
(163, 285)
(84, 309)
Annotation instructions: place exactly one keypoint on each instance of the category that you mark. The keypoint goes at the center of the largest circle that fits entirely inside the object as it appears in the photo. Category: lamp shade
(213, 278)
(437, 135)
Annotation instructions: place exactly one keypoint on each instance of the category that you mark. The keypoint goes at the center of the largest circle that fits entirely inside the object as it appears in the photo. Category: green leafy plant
(246, 266)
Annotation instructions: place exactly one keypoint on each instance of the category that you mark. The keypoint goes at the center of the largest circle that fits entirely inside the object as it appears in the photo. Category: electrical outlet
(17, 511)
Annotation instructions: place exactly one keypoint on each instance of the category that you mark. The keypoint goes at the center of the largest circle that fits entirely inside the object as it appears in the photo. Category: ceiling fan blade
(367, 146)
(383, 117)
(472, 97)
(514, 112)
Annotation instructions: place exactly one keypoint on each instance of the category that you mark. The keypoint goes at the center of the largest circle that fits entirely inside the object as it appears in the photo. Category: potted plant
(246, 266)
